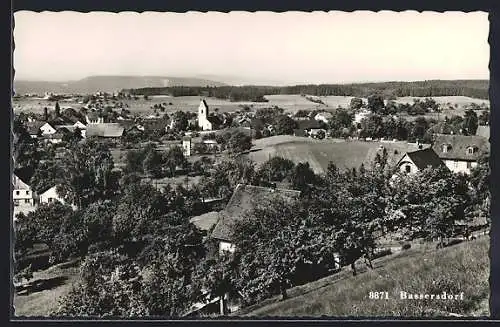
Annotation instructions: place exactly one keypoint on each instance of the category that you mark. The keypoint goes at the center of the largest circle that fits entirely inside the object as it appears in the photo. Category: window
(471, 150)
(17, 192)
(408, 168)
(26, 200)
(16, 202)
(27, 192)
(445, 148)
(469, 164)
(50, 200)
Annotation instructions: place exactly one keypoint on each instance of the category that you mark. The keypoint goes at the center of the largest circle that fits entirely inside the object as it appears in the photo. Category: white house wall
(226, 247)
(406, 163)
(47, 129)
(459, 166)
(50, 194)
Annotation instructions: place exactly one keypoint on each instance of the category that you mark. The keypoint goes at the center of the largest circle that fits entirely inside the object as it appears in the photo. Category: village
(202, 165)
(259, 154)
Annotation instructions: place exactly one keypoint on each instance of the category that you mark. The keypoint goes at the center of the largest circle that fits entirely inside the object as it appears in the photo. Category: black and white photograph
(250, 165)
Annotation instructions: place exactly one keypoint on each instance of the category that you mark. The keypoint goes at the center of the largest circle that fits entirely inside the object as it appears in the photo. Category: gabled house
(414, 161)
(51, 196)
(80, 125)
(47, 129)
(308, 126)
(33, 128)
(461, 153)
(22, 196)
(324, 116)
(244, 198)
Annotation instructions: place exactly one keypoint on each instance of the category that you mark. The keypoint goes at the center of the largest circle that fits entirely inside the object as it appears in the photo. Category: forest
(390, 90)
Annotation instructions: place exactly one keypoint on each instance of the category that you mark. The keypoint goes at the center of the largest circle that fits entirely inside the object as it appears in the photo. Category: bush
(406, 246)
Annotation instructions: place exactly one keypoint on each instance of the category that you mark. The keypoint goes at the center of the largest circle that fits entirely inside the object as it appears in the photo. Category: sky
(262, 47)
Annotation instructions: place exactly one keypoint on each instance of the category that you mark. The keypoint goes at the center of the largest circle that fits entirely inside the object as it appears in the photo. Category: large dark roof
(244, 199)
(425, 158)
(458, 145)
(34, 127)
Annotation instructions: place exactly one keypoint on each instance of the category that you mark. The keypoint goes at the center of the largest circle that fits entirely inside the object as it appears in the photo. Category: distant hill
(94, 84)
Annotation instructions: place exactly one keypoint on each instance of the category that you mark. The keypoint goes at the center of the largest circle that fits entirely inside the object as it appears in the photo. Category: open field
(459, 268)
(290, 103)
(319, 153)
(47, 288)
(188, 103)
(443, 100)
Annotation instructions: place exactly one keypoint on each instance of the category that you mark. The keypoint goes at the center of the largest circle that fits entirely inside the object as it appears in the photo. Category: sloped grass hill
(464, 267)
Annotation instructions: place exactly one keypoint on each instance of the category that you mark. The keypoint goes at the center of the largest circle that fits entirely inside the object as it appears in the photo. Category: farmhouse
(205, 121)
(308, 127)
(324, 116)
(418, 160)
(47, 129)
(244, 198)
(22, 196)
(50, 196)
(461, 153)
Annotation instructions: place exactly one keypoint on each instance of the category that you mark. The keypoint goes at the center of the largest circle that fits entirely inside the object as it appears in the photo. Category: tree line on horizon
(390, 90)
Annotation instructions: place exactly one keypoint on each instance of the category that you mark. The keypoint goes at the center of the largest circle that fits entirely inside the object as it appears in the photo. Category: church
(205, 121)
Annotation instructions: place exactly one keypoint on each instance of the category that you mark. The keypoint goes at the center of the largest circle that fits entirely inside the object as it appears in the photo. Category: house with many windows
(461, 153)
(22, 196)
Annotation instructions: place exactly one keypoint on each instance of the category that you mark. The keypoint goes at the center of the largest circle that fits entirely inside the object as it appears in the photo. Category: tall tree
(285, 125)
(356, 103)
(87, 174)
(376, 103)
(470, 123)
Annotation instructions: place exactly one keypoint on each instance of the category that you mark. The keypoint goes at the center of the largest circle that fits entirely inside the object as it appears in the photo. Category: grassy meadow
(459, 268)
(319, 153)
(46, 288)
